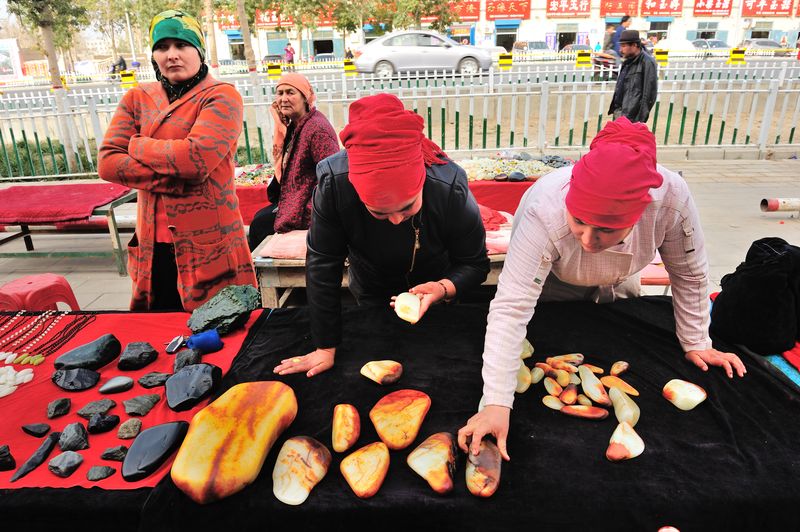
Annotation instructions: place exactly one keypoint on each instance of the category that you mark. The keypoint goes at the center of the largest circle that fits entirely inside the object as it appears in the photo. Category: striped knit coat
(181, 153)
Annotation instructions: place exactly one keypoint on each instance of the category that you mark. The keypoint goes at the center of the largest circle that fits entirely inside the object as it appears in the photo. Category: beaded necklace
(10, 322)
(25, 330)
(25, 356)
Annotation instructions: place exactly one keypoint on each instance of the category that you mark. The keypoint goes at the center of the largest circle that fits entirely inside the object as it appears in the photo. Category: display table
(730, 464)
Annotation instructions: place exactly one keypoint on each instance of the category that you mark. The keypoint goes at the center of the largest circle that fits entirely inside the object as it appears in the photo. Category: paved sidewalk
(727, 193)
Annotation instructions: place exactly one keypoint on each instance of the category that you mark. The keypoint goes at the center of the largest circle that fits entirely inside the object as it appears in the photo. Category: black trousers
(165, 279)
(262, 226)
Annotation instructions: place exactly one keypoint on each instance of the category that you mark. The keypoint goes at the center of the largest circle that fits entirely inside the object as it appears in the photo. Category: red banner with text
(226, 20)
(568, 8)
(767, 8)
(467, 11)
(712, 8)
(661, 8)
(618, 8)
(268, 19)
(503, 9)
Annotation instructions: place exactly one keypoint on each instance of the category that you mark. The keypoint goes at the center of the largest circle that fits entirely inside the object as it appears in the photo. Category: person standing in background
(288, 55)
(623, 25)
(637, 85)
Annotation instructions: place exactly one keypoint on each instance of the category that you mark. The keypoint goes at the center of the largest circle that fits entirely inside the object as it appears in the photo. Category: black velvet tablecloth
(730, 464)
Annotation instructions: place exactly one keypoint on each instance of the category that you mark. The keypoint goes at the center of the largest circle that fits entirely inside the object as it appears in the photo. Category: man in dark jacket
(400, 211)
(637, 84)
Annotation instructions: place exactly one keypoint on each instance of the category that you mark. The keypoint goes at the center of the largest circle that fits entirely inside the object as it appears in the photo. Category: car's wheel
(468, 66)
(384, 69)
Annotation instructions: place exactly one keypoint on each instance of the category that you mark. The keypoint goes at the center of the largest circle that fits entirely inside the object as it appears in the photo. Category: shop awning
(234, 36)
(507, 23)
(613, 20)
(659, 19)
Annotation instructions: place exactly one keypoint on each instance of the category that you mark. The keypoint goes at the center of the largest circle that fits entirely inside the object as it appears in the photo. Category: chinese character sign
(661, 8)
(618, 8)
(504, 9)
(271, 19)
(766, 8)
(468, 10)
(712, 8)
(226, 20)
(568, 8)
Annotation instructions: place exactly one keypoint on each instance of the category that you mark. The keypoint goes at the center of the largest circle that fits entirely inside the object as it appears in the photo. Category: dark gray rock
(93, 355)
(517, 176)
(117, 385)
(96, 407)
(186, 357)
(75, 380)
(136, 356)
(65, 464)
(141, 404)
(115, 453)
(226, 311)
(100, 423)
(99, 472)
(74, 438)
(130, 429)
(7, 462)
(36, 429)
(38, 456)
(191, 385)
(151, 447)
(151, 380)
(58, 408)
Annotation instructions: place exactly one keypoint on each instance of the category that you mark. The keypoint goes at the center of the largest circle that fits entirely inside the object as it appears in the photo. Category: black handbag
(759, 306)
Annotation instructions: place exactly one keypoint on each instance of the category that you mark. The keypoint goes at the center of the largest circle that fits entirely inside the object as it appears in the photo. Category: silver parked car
(420, 50)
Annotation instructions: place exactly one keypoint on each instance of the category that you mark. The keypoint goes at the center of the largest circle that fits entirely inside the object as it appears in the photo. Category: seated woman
(400, 211)
(585, 233)
(174, 140)
(302, 138)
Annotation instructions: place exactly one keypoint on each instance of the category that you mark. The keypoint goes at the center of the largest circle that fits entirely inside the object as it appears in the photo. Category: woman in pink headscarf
(584, 233)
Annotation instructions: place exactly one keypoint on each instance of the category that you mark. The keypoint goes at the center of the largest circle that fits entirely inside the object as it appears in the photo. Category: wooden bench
(278, 277)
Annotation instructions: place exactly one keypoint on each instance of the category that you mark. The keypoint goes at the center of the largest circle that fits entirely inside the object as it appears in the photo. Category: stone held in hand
(382, 371)
(619, 367)
(186, 357)
(624, 444)
(483, 470)
(115, 453)
(346, 427)
(192, 384)
(151, 448)
(58, 408)
(365, 469)
(75, 380)
(97, 473)
(65, 464)
(100, 423)
(406, 306)
(610, 381)
(683, 394)
(301, 464)
(93, 355)
(398, 416)
(37, 430)
(153, 379)
(130, 429)
(117, 385)
(226, 311)
(7, 462)
(38, 456)
(592, 386)
(626, 410)
(96, 407)
(136, 356)
(74, 437)
(435, 460)
(141, 404)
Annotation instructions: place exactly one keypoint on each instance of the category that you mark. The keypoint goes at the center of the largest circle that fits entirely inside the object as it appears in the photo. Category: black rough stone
(75, 380)
(136, 356)
(517, 176)
(93, 355)
(74, 438)
(99, 472)
(191, 385)
(186, 357)
(151, 380)
(65, 464)
(96, 407)
(36, 429)
(38, 456)
(115, 453)
(100, 423)
(58, 408)
(226, 311)
(7, 462)
(141, 404)
(117, 385)
(151, 447)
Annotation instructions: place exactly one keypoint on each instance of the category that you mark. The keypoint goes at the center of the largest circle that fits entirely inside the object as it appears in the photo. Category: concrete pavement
(727, 194)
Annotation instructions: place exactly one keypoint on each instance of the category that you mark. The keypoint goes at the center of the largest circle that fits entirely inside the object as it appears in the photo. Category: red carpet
(46, 204)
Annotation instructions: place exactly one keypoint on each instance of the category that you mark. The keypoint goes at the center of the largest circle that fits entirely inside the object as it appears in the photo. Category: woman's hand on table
(313, 363)
(493, 419)
(702, 358)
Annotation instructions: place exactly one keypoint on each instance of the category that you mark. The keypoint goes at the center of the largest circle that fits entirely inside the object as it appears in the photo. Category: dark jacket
(637, 88)
(615, 38)
(451, 235)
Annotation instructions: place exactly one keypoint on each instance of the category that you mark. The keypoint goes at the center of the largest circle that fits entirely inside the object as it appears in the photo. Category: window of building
(658, 30)
(761, 30)
(566, 34)
(707, 30)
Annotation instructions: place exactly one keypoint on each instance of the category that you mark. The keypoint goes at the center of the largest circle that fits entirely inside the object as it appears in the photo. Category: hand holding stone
(493, 419)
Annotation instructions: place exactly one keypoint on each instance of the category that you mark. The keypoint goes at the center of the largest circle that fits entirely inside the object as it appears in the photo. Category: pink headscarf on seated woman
(299, 82)
(610, 185)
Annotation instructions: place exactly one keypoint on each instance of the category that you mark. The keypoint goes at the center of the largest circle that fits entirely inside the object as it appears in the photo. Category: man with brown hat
(637, 84)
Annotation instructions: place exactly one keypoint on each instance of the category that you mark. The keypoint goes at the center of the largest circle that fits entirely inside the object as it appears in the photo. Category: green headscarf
(173, 24)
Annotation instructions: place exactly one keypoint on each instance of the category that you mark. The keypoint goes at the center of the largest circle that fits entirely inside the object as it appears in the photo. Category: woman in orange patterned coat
(174, 141)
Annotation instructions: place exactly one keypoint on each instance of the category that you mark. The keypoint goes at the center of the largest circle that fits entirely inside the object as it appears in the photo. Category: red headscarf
(611, 184)
(387, 151)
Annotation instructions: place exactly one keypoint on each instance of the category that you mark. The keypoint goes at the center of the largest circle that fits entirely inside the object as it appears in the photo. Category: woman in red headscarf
(400, 211)
(301, 138)
(584, 233)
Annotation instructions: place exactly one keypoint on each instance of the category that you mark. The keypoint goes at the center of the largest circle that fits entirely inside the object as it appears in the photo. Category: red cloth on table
(29, 403)
(499, 196)
(252, 199)
(46, 204)
(492, 219)
(792, 356)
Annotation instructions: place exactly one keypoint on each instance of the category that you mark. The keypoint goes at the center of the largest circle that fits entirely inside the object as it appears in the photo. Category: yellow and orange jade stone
(302, 462)
(435, 461)
(483, 470)
(365, 469)
(346, 427)
(398, 416)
